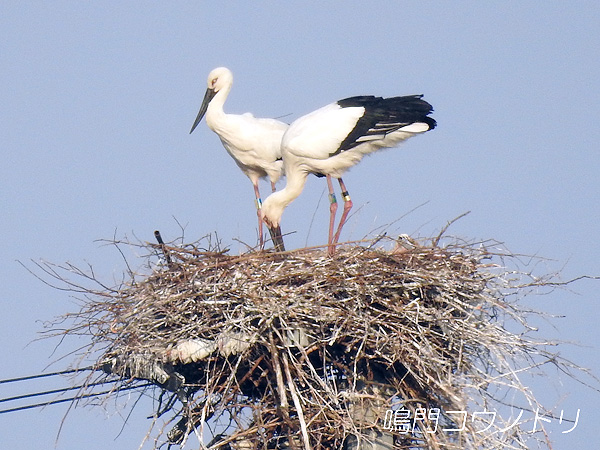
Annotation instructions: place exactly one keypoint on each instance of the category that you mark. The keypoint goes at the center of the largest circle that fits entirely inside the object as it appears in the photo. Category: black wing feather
(383, 116)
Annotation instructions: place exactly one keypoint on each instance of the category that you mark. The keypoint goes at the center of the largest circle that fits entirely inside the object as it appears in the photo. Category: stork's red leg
(332, 210)
(260, 222)
(347, 207)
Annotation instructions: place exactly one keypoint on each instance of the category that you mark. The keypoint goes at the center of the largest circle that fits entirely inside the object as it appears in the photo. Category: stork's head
(219, 80)
(271, 212)
(272, 209)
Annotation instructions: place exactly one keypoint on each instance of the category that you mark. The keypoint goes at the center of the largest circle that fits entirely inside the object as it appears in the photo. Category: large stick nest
(301, 350)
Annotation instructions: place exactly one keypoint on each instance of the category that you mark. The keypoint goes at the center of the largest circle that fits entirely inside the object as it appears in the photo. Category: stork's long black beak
(277, 238)
(208, 96)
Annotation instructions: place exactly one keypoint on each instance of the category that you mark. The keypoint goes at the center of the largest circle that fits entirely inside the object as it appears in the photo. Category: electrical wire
(43, 375)
(53, 391)
(63, 400)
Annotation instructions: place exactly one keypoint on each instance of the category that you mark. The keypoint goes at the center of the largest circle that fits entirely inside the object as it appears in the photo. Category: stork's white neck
(275, 203)
(215, 114)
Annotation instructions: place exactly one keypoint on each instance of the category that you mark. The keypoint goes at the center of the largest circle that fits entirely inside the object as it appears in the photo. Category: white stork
(253, 143)
(330, 140)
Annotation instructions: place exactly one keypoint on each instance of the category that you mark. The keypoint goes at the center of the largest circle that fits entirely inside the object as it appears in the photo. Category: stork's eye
(213, 82)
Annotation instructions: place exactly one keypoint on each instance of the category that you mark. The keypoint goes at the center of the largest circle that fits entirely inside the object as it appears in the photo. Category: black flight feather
(383, 116)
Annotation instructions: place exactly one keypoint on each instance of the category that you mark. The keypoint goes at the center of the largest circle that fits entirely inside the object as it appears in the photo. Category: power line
(63, 400)
(53, 391)
(43, 375)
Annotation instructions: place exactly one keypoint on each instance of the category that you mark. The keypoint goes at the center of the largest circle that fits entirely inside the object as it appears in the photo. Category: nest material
(301, 350)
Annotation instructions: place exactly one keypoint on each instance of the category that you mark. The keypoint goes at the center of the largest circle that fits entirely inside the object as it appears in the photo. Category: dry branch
(301, 350)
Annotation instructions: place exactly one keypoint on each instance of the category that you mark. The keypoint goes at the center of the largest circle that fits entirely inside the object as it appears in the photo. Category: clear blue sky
(97, 100)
